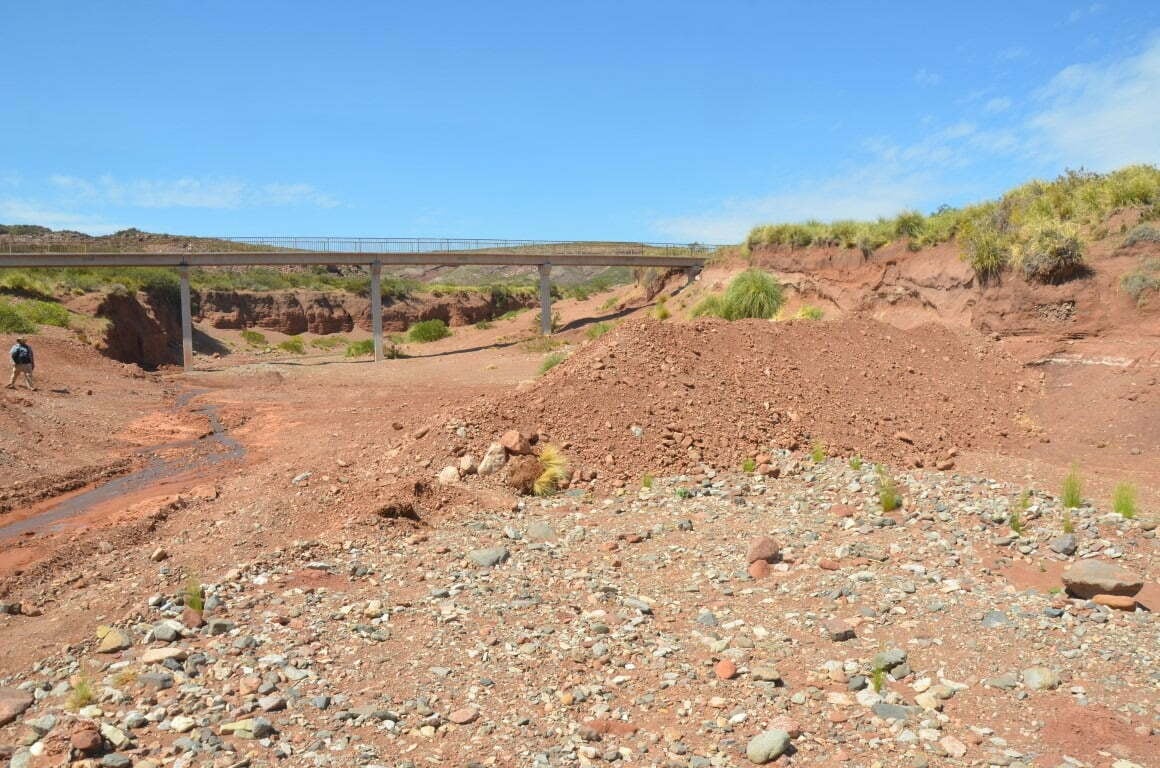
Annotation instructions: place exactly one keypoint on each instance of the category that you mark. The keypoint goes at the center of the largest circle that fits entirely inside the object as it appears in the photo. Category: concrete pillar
(377, 307)
(186, 321)
(545, 300)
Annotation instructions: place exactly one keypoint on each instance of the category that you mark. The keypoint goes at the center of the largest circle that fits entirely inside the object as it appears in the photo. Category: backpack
(22, 355)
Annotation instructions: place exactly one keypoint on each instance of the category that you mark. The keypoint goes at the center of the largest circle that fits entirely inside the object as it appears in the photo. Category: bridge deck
(271, 258)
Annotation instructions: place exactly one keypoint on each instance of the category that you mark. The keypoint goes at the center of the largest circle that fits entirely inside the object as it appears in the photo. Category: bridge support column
(545, 300)
(186, 321)
(377, 307)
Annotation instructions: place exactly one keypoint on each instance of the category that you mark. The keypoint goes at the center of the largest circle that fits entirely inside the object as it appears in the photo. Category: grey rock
(888, 659)
(1089, 578)
(272, 703)
(115, 760)
(219, 626)
(488, 557)
(541, 531)
(493, 460)
(893, 711)
(767, 746)
(1004, 682)
(1064, 545)
(1040, 678)
(995, 619)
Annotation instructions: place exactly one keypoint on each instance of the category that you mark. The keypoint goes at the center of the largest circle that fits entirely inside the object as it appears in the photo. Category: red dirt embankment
(662, 397)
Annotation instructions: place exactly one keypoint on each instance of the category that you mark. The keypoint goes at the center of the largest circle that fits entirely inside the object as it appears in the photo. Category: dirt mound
(664, 398)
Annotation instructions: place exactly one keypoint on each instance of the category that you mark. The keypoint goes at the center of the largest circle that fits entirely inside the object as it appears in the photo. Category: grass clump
(426, 331)
(193, 594)
(817, 452)
(888, 497)
(255, 338)
(1068, 523)
(551, 361)
(1072, 494)
(855, 463)
(327, 343)
(596, 330)
(683, 493)
(1142, 281)
(1142, 233)
(1049, 252)
(661, 311)
(647, 482)
(553, 471)
(483, 325)
(878, 679)
(294, 345)
(1015, 521)
(809, 312)
(1124, 500)
(12, 320)
(749, 465)
(752, 294)
(81, 695)
(361, 348)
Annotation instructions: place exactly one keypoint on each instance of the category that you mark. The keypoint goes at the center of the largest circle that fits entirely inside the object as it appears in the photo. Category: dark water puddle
(196, 456)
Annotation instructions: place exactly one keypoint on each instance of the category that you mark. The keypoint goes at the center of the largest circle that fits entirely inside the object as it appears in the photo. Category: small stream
(200, 454)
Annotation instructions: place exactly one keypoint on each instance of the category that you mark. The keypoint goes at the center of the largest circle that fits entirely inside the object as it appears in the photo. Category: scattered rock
(1089, 578)
(13, 702)
(493, 460)
(1041, 678)
(488, 557)
(767, 746)
(762, 548)
(516, 443)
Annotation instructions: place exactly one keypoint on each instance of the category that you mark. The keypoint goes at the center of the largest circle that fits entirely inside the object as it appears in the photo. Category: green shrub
(294, 345)
(194, 594)
(908, 224)
(856, 463)
(1124, 500)
(1142, 281)
(817, 452)
(596, 330)
(551, 361)
(483, 325)
(1142, 233)
(1050, 252)
(13, 320)
(646, 482)
(748, 465)
(1068, 524)
(81, 695)
(661, 311)
(710, 306)
(427, 331)
(888, 497)
(809, 312)
(752, 294)
(360, 348)
(1072, 494)
(683, 493)
(985, 248)
(1015, 521)
(255, 338)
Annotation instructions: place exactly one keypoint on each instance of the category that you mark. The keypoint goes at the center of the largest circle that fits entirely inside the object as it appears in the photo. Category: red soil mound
(663, 397)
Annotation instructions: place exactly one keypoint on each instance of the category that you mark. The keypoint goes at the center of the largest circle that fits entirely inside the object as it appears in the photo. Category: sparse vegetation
(817, 452)
(483, 325)
(1124, 500)
(361, 348)
(609, 303)
(1072, 494)
(878, 679)
(12, 320)
(888, 497)
(661, 311)
(1036, 227)
(683, 493)
(596, 330)
(554, 470)
(646, 482)
(27, 315)
(748, 465)
(193, 594)
(328, 343)
(293, 345)
(809, 312)
(1142, 281)
(1015, 521)
(1142, 233)
(551, 361)
(426, 331)
(1068, 523)
(255, 338)
(856, 463)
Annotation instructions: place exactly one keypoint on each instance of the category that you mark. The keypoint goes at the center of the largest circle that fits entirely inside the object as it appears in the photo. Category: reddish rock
(192, 619)
(516, 442)
(768, 470)
(839, 631)
(86, 738)
(464, 715)
(787, 724)
(13, 702)
(1119, 602)
(904, 437)
(725, 669)
(842, 510)
(1089, 578)
(634, 538)
(945, 465)
(759, 569)
(762, 548)
(604, 726)
(829, 565)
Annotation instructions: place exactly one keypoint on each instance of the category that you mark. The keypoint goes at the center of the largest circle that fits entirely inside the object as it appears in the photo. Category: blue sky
(661, 121)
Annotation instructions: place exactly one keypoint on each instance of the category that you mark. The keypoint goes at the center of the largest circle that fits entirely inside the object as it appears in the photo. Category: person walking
(22, 362)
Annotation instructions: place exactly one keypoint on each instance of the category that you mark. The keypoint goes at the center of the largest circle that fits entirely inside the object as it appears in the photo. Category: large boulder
(1089, 578)
(13, 702)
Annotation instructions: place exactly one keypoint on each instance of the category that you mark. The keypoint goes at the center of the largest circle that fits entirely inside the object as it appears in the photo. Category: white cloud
(189, 193)
(996, 105)
(1079, 14)
(16, 211)
(1102, 116)
(925, 77)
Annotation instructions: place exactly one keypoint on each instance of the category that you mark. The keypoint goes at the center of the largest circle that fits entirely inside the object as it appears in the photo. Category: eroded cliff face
(146, 328)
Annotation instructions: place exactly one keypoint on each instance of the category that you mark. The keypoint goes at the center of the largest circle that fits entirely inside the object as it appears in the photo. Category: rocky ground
(733, 620)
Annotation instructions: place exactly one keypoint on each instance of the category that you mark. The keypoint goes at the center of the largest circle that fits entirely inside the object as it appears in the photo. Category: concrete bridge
(371, 252)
